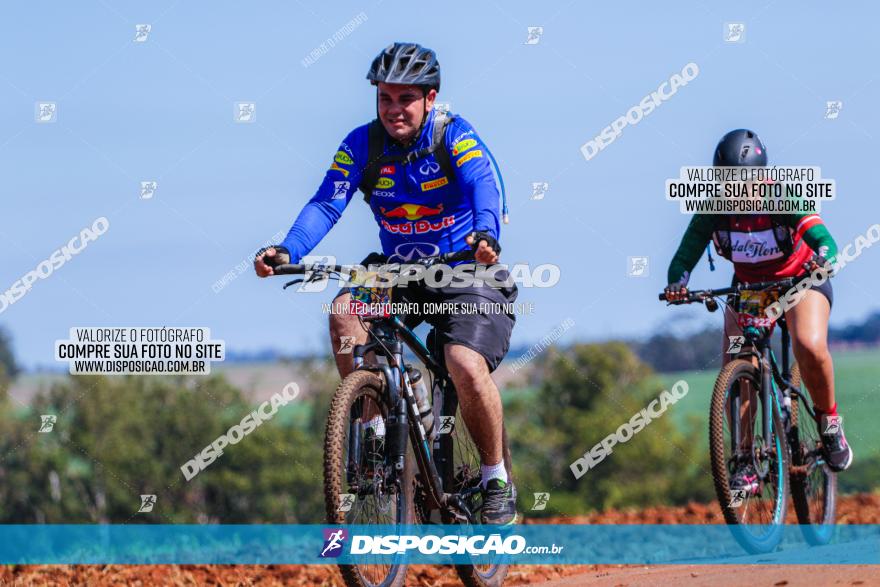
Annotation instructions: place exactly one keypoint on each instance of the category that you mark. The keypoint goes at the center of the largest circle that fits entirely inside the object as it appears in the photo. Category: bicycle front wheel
(737, 444)
(355, 486)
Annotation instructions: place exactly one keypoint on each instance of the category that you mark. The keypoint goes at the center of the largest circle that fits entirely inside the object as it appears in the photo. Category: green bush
(118, 438)
(587, 391)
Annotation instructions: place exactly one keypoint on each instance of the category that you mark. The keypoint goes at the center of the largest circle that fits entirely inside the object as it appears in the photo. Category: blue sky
(163, 110)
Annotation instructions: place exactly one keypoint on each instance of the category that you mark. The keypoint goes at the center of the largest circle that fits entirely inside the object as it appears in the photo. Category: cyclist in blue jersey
(427, 179)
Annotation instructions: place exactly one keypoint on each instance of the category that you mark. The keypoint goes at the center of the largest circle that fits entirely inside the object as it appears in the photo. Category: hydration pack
(723, 228)
(376, 157)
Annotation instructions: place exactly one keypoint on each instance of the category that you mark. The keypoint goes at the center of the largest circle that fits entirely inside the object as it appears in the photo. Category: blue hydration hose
(504, 211)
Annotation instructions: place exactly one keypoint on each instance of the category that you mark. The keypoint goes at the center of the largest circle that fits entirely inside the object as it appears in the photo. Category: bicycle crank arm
(455, 502)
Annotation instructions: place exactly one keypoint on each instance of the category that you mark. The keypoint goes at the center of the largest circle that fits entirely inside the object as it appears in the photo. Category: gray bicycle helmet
(406, 63)
(740, 147)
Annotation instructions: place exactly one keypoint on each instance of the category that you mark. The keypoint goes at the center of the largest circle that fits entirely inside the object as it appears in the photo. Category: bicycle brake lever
(316, 275)
(292, 282)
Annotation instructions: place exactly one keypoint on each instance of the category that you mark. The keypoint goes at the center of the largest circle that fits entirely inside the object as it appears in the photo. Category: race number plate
(371, 294)
(753, 306)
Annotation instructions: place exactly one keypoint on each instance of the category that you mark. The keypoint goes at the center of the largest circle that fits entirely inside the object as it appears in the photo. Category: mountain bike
(757, 416)
(373, 481)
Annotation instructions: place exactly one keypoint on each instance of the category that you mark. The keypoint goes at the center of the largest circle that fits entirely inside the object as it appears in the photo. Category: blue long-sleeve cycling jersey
(420, 211)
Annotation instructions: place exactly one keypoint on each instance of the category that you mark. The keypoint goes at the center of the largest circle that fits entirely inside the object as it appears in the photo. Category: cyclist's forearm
(818, 237)
(312, 225)
(695, 239)
(487, 214)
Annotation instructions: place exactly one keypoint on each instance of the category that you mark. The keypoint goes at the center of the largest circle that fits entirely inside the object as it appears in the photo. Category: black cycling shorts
(486, 331)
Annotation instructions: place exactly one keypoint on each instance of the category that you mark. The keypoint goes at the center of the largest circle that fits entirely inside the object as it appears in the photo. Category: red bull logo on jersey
(415, 212)
(419, 226)
(411, 211)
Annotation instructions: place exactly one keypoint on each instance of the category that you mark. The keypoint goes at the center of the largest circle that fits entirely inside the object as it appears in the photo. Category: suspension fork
(397, 427)
(767, 395)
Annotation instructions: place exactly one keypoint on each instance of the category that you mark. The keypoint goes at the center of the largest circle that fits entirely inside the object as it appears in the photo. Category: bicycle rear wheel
(755, 516)
(354, 474)
(813, 484)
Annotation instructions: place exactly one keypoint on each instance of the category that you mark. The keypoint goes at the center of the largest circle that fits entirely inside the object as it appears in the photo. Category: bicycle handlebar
(301, 268)
(700, 295)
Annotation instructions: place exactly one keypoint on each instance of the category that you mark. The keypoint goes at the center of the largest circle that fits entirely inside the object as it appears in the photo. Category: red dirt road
(726, 576)
(857, 509)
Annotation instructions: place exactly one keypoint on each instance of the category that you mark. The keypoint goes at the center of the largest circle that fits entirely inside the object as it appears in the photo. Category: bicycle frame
(389, 336)
(775, 376)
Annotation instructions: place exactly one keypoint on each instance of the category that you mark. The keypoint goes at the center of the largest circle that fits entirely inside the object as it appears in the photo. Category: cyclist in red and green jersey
(766, 247)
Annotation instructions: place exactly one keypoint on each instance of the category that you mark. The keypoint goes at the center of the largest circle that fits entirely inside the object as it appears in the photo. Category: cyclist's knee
(341, 321)
(811, 348)
(467, 367)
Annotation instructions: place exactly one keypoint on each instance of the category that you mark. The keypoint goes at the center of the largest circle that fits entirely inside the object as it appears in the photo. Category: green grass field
(857, 378)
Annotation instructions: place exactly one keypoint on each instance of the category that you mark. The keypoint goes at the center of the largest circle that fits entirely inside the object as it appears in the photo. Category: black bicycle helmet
(406, 63)
(740, 147)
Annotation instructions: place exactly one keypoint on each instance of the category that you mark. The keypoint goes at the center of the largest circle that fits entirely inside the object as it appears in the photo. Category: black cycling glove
(485, 236)
(374, 259)
(282, 256)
